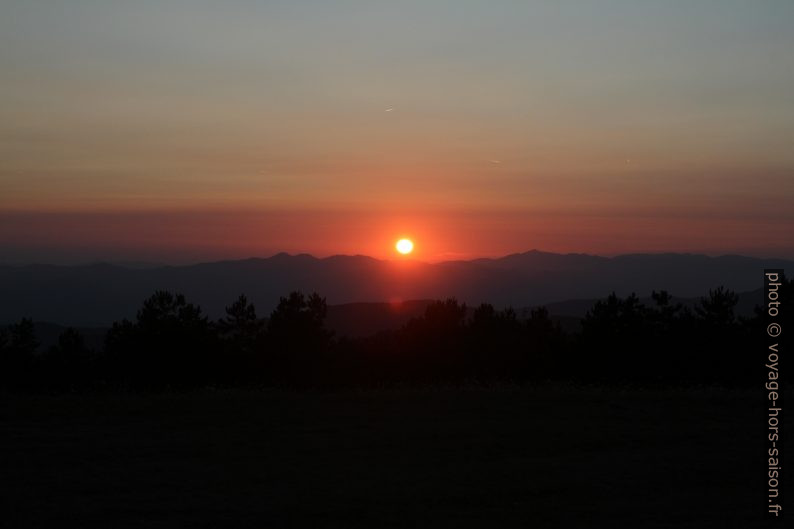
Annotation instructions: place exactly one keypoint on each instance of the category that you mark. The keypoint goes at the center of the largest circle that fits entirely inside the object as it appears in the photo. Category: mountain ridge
(99, 293)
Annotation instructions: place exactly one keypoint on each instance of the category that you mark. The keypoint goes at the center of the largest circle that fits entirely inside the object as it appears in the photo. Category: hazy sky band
(552, 111)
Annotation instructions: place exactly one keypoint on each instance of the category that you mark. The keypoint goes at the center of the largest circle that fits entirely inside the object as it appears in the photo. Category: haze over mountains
(98, 294)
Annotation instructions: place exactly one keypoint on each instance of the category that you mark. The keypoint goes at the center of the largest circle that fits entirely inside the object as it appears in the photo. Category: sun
(404, 246)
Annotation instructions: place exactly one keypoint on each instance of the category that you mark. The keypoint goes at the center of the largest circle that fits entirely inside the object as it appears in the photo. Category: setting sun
(404, 246)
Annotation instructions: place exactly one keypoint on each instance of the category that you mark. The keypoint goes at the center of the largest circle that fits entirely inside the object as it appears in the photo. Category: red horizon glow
(138, 131)
(183, 237)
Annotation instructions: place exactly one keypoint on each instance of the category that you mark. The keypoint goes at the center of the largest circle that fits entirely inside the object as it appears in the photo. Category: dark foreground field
(507, 457)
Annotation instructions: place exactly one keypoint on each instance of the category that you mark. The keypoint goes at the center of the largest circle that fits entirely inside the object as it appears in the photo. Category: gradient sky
(177, 131)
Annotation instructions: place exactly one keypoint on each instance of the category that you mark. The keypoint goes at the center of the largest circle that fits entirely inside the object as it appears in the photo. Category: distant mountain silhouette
(98, 294)
(365, 319)
(577, 308)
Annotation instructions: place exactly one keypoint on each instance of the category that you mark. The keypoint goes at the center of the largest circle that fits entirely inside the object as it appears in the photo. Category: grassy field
(410, 458)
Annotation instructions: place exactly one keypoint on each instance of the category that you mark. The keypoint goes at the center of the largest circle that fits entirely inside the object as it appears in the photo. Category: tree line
(173, 344)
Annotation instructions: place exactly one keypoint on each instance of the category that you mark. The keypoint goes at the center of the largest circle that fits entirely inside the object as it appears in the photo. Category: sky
(180, 131)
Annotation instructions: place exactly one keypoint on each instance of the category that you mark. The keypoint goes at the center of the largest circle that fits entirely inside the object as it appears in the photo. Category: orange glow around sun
(404, 246)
